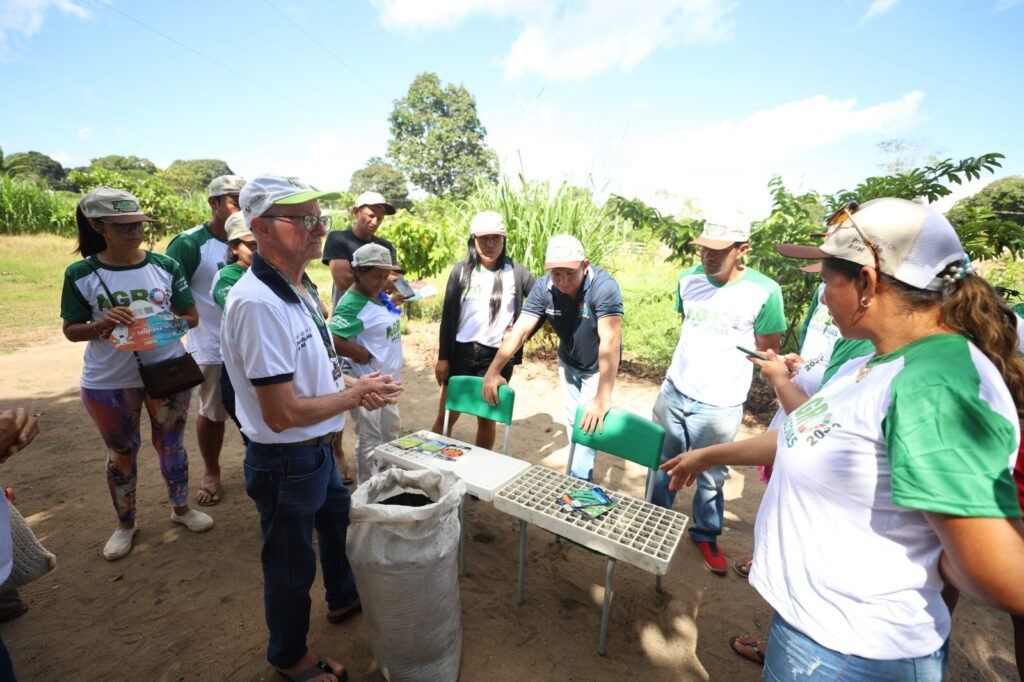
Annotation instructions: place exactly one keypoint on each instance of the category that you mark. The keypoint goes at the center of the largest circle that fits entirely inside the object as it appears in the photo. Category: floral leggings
(116, 413)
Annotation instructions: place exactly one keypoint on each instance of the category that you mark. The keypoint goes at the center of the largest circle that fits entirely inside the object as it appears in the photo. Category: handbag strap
(110, 297)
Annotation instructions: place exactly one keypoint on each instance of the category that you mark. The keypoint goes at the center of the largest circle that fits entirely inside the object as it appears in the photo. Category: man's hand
(491, 382)
(17, 429)
(442, 370)
(593, 416)
(684, 469)
(377, 390)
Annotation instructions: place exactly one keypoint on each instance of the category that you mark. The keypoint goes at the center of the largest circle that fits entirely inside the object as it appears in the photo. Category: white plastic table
(637, 532)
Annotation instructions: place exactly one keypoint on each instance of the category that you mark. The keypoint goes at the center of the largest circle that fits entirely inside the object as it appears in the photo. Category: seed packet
(408, 442)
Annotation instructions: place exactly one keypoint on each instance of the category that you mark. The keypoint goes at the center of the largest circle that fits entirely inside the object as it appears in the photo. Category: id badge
(339, 378)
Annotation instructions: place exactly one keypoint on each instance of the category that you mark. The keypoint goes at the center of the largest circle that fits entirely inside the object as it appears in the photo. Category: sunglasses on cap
(845, 214)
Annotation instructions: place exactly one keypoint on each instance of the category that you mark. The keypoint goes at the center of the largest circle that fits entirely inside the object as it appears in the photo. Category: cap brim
(303, 197)
(800, 251)
(712, 243)
(388, 208)
(563, 264)
(485, 233)
(813, 268)
(127, 219)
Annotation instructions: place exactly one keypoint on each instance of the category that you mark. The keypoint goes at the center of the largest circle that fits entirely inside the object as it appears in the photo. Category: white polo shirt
(269, 336)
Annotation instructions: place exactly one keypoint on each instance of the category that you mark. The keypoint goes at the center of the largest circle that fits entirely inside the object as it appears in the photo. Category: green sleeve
(181, 295)
(772, 317)
(345, 320)
(227, 277)
(185, 250)
(844, 351)
(948, 450)
(811, 309)
(1019, 309)
(73, 306)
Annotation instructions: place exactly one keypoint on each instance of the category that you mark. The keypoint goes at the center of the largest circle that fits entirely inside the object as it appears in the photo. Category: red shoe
(714, 558)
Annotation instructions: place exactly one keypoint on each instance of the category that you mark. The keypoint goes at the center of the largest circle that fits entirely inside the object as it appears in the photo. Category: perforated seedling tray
(637, 532)
(483, 471)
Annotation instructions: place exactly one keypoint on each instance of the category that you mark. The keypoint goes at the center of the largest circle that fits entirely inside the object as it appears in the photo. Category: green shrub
(28, 208)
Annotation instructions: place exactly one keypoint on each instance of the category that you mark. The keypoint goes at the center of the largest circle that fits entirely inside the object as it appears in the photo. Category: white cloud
(575, 40)
(724, 167)
(84, 133)
(21, 19)
(879, 7)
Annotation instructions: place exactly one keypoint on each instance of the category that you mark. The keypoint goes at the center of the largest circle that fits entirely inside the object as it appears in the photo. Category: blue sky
(674, 101)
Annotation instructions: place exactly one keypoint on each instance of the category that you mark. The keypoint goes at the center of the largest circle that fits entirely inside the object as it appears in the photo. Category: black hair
(232, 257)
(471, 261)
(90, 242)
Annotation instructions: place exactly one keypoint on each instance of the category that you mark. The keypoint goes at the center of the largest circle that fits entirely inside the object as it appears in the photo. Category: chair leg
(521, 597)
(606, 611)
(444, 429)
(462, 537)
(657, 585)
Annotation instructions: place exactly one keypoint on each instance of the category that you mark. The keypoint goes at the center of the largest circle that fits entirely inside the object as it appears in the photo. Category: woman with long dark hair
(894, 478)
(483, 298)
(116, 281)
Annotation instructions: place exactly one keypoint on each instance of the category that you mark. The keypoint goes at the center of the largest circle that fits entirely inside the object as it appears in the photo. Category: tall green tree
(380, 176)
(193, 175)
(34, 165)
(1003, 199)
(124, 164)
(437, 139)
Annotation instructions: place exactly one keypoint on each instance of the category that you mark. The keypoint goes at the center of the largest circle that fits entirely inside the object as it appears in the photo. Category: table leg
(601, 645)
(462, 537)
(657, 585)
(521, 597)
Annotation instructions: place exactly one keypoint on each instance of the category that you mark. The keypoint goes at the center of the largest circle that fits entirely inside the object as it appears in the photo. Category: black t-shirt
(342, 244)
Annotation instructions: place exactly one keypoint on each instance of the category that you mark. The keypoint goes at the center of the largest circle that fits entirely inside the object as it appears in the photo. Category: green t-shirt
(226, 278)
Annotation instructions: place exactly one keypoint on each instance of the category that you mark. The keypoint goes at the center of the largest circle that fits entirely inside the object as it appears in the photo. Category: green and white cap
(113, 206)
(225, 184)
(374, 256)
(914, 242)
(264, 191)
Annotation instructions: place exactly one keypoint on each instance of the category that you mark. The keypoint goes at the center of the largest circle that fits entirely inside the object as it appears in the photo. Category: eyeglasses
(249, 244)
(125, 228)
(308, 222)
(844, 213)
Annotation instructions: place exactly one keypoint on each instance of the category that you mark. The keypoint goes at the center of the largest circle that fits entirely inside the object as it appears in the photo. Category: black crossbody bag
(162, 379)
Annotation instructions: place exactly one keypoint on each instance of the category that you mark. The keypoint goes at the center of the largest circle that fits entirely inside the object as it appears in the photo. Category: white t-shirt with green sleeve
(201, 254)
(716, 318)
(843, 550)
(368, 323)
(157, 280)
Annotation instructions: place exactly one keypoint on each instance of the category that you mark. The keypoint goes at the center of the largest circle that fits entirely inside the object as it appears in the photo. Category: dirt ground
(189, 607)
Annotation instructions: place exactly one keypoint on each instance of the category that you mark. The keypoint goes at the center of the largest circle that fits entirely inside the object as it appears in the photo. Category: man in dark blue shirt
(583, 304)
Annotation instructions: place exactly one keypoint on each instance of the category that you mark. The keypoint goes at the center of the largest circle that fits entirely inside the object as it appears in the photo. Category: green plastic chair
(625, 435)
(465, 394)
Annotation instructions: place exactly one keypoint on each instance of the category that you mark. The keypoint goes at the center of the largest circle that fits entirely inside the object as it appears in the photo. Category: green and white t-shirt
(157, 280)
(369, 323)
(475, 315)
(225, 278)
(819, 333)
(201, 254)
(1019, 310)
(716, 318)
(843, 550)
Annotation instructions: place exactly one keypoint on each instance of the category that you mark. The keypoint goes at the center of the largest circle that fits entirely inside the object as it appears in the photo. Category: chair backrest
(465, 394)
(625, 435)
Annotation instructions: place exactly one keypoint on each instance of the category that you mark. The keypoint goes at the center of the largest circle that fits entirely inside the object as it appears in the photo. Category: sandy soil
(189, 607)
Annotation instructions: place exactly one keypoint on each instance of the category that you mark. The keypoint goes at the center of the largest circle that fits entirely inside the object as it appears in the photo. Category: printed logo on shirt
(552, 312)
(812, 421)
(394, 332)
(584, 309)
(157, 296)
(302, 338)
(821, 323)
(712, 319)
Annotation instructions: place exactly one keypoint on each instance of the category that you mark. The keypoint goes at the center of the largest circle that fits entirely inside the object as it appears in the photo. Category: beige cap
(113, 206)
(235, 227)
(563, 251)
(719, 236)
(373, 256)
(487, 222)
(374, 199)
(225, 184)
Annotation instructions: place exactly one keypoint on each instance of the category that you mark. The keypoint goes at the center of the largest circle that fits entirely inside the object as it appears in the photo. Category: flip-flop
(352, 609)
(316, 670)
(750, 647)
(743, 567)
(214, 491)
(348, 481)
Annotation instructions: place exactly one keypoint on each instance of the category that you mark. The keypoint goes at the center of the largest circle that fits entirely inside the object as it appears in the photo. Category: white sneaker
(195, 521)
(119, 544)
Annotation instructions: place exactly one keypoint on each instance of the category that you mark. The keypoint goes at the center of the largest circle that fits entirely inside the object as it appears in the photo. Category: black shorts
(472, 360)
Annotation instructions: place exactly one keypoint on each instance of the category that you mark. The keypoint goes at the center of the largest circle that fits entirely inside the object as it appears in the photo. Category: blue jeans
(793, 655)
(578, 388)
(690, 424)
(296, 488)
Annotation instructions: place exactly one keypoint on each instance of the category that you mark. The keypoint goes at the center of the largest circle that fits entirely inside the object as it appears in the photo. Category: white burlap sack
(405, 561)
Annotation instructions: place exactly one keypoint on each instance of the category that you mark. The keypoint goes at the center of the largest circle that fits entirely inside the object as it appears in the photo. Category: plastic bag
(405, 561)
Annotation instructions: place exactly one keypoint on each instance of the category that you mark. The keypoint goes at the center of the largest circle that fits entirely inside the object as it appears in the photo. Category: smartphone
(404, 288)
(752, 353)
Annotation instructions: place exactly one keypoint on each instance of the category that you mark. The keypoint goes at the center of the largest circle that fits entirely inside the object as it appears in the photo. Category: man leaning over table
(583, 304)
(290, 400)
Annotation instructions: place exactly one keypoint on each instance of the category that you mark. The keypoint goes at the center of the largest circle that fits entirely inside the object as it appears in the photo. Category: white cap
(374, 199)
(264, 191)
(564, 250)
(487, 222)
(235, 226)
(225, 184)
(720, 236)
(915, 243)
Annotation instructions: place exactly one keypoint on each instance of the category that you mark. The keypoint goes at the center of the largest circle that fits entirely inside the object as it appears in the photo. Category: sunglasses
(844, 214)
(125, 228)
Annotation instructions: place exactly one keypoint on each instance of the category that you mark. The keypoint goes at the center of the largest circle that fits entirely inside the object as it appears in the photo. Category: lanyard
(320, 324)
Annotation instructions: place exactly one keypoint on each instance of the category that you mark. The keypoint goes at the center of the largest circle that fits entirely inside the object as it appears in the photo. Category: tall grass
(27, 208)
